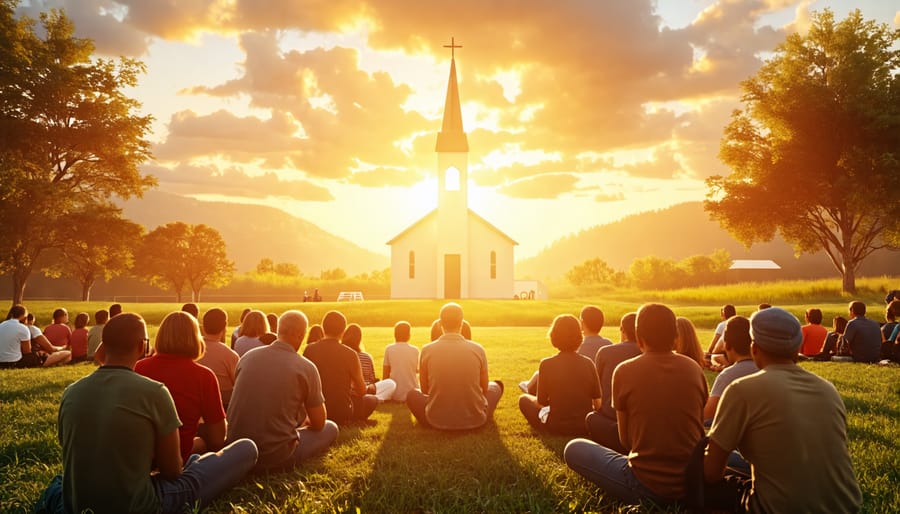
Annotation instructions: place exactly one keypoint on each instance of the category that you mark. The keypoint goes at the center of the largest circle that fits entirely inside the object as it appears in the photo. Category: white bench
(350, 296)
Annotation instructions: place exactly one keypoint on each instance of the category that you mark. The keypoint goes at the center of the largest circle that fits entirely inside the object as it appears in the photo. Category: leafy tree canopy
(815, 150)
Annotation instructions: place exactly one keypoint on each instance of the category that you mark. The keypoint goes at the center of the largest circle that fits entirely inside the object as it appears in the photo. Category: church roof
(472, 216)
(452, 137)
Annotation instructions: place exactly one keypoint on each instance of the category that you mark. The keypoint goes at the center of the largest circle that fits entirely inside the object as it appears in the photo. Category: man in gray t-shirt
(275, 391)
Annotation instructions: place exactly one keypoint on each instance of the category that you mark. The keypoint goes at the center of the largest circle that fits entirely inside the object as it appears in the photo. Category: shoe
(499, 383)
(523, 385)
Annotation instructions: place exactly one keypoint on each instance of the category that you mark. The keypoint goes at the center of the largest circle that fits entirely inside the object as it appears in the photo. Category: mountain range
(678, 232)
(253, 232)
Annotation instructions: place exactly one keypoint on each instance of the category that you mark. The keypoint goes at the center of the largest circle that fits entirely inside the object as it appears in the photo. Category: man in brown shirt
(659, 398)
(342, 380)
(453, 373)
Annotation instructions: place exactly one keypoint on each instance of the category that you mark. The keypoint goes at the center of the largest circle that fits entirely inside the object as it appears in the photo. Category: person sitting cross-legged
(456, 393)
(659, 398)
(401, 362)
(277, 400)
(119, 437)
(789, 424)
(737, 351)
(382, 389)
(568, 387)
(601, 424)
(342, 378)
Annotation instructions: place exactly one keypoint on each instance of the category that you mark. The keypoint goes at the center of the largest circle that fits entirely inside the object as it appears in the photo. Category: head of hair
(29, 318)
(334, 323)
(244, 313)
(81, 320)
(839, 324)
(293, 323)
(191, 308)
(16, 312)
(101, 316)
(115, 309)
(728, 311)
(352, 337)
(268, 338)
(179, 334)
(436, 329)
(402, 331)
(687, 343)
(254, 324)
(59, 314)
(626, 325)
(315, 333)
(122, 333)
(737, 334)
(214, 321)
(858, 308)
(466, 330)
(814, 316)
(592, 317)
(565, 333)
(272, 318)
(655, 326)
(892, 311)
(451, 317)
(763, 306)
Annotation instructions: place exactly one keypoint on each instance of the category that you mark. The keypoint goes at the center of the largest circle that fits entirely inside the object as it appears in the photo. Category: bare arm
(423, 377)
(215, 435)
(25, 346)
(357, 381)
(316, 416)
(709, 410)
(714, 462)
(386, 371)
(712, 345)
(597, 403)
(168, 455)
(45, 345)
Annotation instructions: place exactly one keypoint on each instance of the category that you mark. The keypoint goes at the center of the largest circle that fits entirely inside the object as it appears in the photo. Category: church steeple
(452, 138)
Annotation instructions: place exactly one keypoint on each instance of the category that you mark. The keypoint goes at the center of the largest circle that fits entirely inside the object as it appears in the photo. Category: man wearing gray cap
(789, 424)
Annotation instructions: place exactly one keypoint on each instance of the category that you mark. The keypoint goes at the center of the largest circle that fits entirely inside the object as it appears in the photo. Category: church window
(493, 264)
(412, 264)
(451, 179)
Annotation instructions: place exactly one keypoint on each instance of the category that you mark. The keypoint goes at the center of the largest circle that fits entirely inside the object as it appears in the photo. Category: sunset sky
(577, 112)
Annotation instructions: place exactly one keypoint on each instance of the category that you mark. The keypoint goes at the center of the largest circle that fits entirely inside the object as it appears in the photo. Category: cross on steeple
(452, 46)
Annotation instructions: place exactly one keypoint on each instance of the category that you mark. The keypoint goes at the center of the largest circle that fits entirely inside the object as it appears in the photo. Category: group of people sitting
(24, 345)
(639, 409)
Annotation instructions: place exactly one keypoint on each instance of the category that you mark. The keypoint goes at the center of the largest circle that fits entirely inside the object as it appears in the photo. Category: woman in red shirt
(194, 388)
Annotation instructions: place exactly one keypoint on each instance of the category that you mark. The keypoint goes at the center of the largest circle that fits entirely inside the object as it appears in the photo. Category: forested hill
(678, 232)
(252, 232)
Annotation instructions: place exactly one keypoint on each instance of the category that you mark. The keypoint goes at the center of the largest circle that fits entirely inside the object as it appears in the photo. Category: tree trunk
(86, 291)
(18, 283)
(178, 296)
(195, 295)
(848, 275)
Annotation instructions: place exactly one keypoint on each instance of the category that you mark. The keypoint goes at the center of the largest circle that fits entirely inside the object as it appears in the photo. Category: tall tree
(176, 255)
(70, 136)
(98, 243)
(815, 151)
(207, 263)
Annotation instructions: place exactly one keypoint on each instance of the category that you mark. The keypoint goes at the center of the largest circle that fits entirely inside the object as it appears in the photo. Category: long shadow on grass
(425, 470)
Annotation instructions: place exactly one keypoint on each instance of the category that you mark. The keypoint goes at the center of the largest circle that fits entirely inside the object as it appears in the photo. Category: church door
(452, 282)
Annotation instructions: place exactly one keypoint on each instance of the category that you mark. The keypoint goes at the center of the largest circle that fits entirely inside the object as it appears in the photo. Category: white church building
(452, 252)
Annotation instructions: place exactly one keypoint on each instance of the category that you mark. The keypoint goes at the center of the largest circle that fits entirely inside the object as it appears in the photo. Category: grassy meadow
(395, 466)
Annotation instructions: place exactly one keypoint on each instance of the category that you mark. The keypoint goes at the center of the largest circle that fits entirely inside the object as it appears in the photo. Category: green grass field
(395, 466)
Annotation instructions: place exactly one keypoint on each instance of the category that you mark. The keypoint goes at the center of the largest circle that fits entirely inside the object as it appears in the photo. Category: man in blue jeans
(116, 426)
(658, 397)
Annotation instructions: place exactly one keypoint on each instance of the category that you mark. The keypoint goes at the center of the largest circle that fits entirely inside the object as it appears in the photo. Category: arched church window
(412, 264)
(493, 264)
(451, 179)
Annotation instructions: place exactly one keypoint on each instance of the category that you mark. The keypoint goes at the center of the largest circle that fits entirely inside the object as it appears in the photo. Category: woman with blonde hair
(194, 388)
(687, 343)
(253, 327)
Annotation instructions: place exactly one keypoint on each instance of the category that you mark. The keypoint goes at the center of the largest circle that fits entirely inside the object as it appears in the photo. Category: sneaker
(523, 385)
(499, 383)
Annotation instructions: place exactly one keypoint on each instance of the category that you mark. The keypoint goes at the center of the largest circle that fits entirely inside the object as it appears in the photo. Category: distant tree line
(652, 272)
